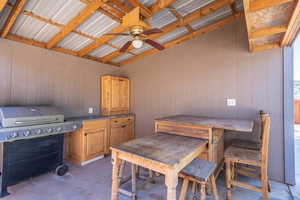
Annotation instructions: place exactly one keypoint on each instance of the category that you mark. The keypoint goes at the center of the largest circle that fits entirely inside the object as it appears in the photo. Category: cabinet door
(116, 136)
(115, 94)
(94, 143)
(127, 132)
(124, 94)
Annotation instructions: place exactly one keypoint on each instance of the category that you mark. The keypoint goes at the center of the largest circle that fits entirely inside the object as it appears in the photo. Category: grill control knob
(59, 129)
(39, 131)
(14, 134)
(74, 127)
(49, 130)
(26, 133)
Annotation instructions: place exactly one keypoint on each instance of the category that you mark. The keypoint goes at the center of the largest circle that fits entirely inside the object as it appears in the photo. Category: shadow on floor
(93, 182)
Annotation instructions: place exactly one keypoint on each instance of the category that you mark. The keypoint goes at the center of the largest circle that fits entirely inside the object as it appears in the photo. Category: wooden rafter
(248, 22)
(160, 4)
(113, 10)
(144, 11)
(75, 22)
(17, 8)
(2, 4)
(179, 17)
(189, 36)
(199, 13)
(269, 31)
(262, 4)
(102, 40)
(43, 45)
(121, 5)
(104, 12)
(293, 27)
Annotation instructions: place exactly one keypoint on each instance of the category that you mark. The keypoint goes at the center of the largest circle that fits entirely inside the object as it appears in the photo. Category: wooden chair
(256, 158)
(249, 144)
(199, 172)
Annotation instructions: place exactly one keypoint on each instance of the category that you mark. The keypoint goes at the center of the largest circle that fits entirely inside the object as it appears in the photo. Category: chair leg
(264, 182)
(214, 187)
(203, 191)
(228, 180)
(194, 188)
(133, 178)
(184, 188)
(122, 166)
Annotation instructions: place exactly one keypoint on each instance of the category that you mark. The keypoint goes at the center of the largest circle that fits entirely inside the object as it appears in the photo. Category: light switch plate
(91, 110)
(231, 102)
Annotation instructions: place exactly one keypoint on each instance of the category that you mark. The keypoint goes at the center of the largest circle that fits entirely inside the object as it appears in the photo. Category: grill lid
(29, 115)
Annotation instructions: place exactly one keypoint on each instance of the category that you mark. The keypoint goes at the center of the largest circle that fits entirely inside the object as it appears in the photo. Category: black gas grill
(31, 143)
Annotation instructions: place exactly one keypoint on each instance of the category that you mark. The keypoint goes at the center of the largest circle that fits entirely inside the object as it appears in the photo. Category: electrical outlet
(231, 102)
(91, 110)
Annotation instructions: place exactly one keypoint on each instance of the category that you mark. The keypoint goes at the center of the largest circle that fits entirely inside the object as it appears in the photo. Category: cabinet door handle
(124, 126)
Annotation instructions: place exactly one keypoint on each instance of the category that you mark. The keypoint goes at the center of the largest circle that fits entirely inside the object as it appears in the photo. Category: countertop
(96, 117)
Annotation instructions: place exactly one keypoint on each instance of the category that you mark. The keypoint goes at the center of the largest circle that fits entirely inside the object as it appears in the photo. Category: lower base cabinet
(95, 137)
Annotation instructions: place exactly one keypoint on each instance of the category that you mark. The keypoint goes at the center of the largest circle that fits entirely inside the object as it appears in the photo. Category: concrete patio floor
(93, 182)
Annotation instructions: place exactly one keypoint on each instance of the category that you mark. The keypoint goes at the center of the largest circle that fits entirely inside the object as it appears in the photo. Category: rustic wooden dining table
(164, 153)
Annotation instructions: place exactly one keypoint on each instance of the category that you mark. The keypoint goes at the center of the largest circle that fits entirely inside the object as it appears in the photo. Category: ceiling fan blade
(125, 46)
(152, 31)
(122, 34)
(155, 44)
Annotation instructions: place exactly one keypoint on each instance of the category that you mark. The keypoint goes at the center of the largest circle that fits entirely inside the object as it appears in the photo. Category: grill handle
(34, 121)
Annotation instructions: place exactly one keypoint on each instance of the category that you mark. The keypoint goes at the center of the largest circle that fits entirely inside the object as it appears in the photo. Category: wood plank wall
(198, 76)
(34, 76)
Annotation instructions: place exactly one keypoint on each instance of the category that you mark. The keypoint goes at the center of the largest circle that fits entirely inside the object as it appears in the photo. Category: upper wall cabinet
(114, 95)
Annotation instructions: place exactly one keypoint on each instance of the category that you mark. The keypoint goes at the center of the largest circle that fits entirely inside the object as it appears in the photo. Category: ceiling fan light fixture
(137, 43)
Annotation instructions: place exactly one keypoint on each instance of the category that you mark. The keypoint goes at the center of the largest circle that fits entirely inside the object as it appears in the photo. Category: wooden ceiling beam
(269, 31)
(179, 17)
(160, 4)
(265, 47)
(121, 5)
(14, 13)
(201, 12)
(262, 4)
(75, 22)
(189, 36)
(293, 27)
(2, 4)
(248, 22)
(113, 10)
(43, 45)
(100, 41)
(144, 11)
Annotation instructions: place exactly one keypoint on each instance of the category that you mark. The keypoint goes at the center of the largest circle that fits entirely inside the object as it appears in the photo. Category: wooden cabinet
(114, 95)
(121, 130)
(90, 142)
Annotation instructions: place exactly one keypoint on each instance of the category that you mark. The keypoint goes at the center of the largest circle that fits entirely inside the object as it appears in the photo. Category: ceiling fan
(138, 30)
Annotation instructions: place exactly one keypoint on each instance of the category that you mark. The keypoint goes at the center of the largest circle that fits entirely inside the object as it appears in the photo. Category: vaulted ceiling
(78, 27)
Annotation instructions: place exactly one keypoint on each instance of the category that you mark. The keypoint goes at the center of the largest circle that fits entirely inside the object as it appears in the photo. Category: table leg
(115, 174)
(171, 181)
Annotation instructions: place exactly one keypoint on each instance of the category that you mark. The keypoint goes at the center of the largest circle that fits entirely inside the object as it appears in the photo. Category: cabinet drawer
(117, 122)
(94, 125)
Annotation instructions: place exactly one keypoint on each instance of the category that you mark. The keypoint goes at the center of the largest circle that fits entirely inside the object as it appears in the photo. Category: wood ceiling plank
(14, 13)
(189, 36)
(265, 47)
(2, 4)
(262, 4)
(201, 12)
(100, 41)
(293, 27)
(269, 31)
(113, 10)
(75, 22)
(179, 17)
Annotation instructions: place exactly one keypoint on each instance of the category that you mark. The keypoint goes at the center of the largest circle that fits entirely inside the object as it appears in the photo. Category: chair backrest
(265, 123)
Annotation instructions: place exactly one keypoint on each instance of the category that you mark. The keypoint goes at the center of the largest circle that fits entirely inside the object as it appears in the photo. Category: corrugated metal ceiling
(62, 11)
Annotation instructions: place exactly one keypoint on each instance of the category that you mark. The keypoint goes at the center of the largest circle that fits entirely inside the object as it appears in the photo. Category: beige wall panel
(198, 76)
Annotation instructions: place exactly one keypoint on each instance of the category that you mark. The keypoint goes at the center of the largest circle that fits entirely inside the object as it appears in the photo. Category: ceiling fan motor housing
(136, 30)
